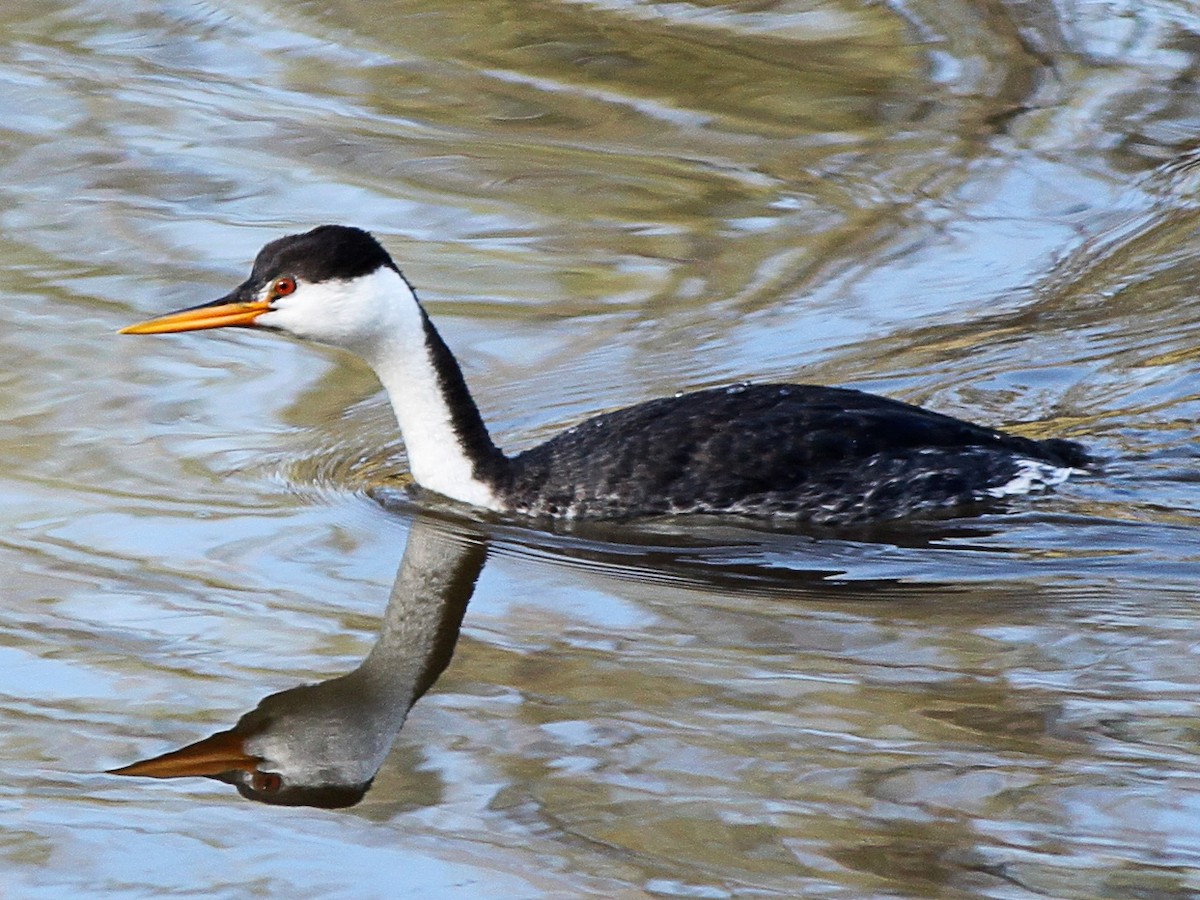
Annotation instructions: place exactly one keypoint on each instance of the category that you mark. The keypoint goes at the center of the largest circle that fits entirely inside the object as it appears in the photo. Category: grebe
(785, 452)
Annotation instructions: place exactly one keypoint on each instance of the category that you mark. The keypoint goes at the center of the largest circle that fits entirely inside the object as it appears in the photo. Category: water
(989, 209)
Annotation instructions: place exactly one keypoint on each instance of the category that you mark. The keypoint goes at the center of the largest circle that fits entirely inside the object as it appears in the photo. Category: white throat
(377, 316)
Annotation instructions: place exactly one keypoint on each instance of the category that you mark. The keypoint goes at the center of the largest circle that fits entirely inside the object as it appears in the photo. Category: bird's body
(798, 453)
(784, 451)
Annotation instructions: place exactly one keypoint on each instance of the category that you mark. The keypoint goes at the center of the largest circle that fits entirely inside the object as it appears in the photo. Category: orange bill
(210, 315)
(225, 751)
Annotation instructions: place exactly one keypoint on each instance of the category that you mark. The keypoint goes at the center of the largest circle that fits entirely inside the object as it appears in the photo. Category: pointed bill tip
(223, 752)
(212, 315)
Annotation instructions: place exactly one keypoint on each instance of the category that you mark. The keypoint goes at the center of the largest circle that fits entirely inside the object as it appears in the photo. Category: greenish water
(990, 209)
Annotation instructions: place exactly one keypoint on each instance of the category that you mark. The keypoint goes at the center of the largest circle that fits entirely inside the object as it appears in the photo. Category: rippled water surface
(987, 208)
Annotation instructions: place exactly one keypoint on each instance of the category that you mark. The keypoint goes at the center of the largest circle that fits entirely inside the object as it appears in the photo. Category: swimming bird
(782, 452)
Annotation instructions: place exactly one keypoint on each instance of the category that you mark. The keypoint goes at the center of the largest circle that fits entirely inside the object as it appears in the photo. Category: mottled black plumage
(328, 252)
(815, 454)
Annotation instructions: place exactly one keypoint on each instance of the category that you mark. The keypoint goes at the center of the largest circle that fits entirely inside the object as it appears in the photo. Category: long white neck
(449, 450)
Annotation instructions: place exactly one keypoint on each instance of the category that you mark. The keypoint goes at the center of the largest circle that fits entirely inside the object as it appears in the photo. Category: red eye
(266, 782)
(283, 286)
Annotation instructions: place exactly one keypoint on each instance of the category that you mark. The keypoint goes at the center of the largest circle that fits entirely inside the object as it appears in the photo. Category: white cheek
(318, 312)
(346, 313)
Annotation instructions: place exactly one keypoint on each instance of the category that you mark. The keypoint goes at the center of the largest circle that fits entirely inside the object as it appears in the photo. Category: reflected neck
(340, 731)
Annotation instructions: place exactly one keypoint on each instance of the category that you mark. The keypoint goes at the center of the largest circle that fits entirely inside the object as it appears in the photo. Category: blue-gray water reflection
(322, 744)
(986, 209)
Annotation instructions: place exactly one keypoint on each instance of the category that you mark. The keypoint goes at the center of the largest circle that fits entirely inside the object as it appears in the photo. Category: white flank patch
(1032, 476)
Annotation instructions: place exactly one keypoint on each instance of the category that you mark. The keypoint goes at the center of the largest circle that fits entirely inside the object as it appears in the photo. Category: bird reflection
(321, 744)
